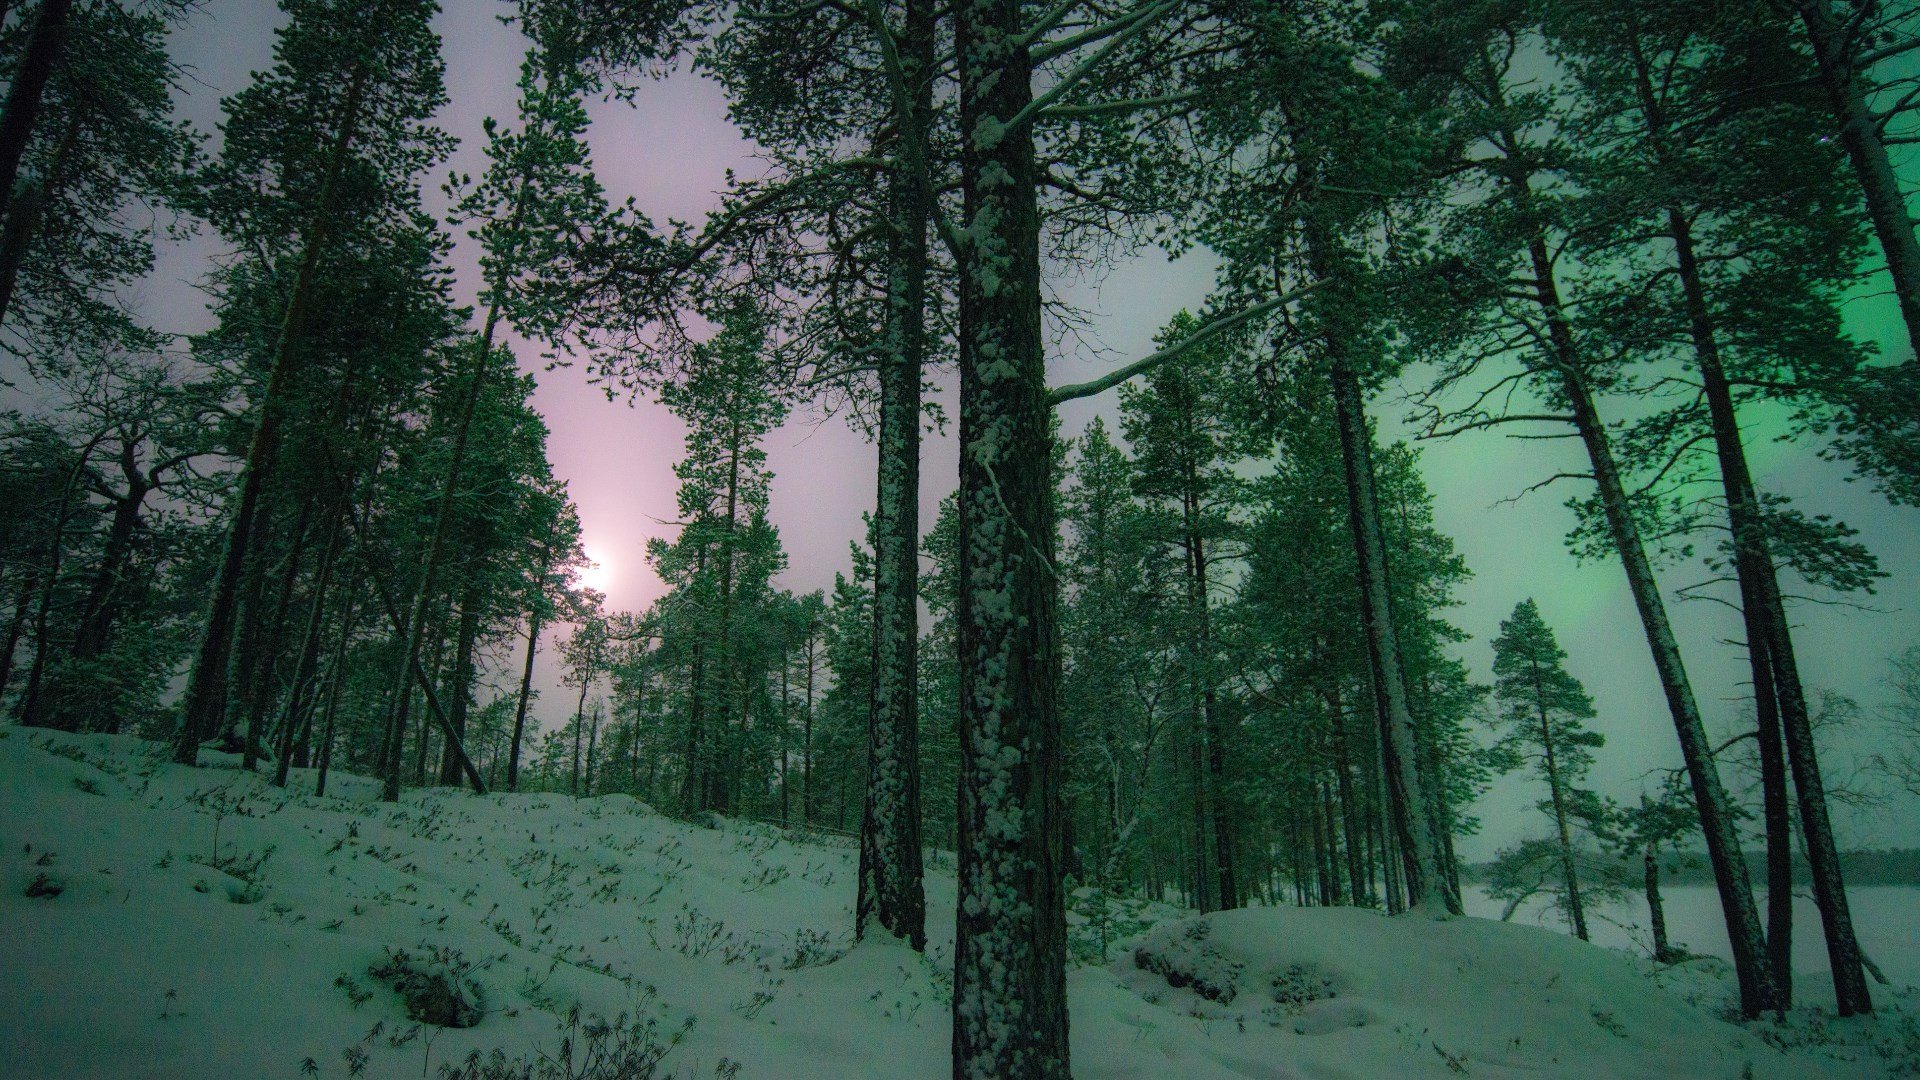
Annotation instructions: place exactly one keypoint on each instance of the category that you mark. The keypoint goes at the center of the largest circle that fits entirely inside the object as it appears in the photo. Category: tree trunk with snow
(1009, 994)
(890, 886)
(1656, 909)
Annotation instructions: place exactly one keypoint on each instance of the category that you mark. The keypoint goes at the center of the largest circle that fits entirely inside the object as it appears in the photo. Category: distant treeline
(1894, 866)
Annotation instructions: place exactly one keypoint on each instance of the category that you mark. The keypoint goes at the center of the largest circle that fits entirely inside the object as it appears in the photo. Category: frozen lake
(1886, 918)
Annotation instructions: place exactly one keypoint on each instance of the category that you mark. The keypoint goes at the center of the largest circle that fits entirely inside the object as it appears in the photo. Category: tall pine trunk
(1349, 813)
(526, 686)
(336, 675)
(1556, 789)
(1223, 889)
(806, 746)
(309, 657)
(444, 513)
(890, 887)
(262, 684)
(1009, 994)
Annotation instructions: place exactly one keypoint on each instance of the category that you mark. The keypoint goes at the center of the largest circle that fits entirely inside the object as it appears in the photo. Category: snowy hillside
(171, 922)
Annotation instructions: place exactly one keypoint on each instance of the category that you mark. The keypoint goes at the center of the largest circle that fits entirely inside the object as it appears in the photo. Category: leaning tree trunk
(1425, 883)
(526, 691)
(1768, 635)
(1866, 149)
(336, 675)
(1009, 993)
(392, 611)
(261, 685)
(206, 696)
(1758, 991)
(309, 658)
(891, 891)
(44, 45)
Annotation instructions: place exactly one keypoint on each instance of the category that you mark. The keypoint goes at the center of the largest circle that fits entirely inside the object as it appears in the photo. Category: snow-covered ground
(170, 922)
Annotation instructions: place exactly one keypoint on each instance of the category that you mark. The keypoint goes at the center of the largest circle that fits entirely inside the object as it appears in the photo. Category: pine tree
(1179, 422)
(91, 150)
(727, 552)
(1118, 659)
(1543, 707)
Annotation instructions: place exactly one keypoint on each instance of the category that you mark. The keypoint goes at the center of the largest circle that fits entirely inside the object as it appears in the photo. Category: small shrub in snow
(1605, 1018)
(1097, 919)
(435, 986)
(593, 1048)
(811, 947)
(357, 994)
(1297, 984)
(247, 868)
(44, 885)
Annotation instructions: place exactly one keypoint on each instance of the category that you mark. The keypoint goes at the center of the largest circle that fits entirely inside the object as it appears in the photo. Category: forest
(1199, 654)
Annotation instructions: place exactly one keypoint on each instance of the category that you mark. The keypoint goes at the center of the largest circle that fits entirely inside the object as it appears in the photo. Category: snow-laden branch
(1137, 24)
(1103, 108)
(1211, 330)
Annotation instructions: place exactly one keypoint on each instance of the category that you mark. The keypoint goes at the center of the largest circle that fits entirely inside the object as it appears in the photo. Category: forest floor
(169, 922)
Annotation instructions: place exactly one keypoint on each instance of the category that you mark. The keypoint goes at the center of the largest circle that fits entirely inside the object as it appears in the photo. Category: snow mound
(1342, 992)
(165, 922)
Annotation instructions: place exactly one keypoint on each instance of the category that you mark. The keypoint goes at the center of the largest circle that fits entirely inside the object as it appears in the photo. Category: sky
(670, 151)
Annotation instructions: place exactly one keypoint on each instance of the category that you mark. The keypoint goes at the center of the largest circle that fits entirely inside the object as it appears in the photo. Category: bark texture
(1009, 996)
(891, 891)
